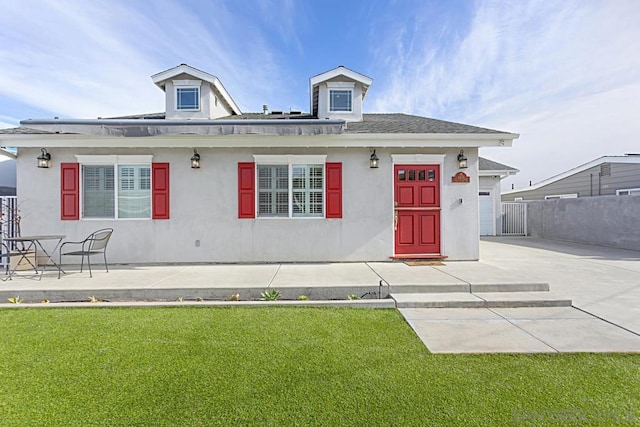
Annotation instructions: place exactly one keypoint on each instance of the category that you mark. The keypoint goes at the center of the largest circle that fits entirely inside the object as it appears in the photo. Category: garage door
(487, 220)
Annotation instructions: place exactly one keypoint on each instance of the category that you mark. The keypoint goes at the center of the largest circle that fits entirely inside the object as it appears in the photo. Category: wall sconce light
(44, 159)
(462, 160)
(195, 160)
(373, 160)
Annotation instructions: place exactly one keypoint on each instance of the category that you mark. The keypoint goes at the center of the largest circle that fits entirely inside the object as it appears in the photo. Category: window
(290, 190)
(102, 198)
(627, 191)
(290, 186)
(115, 186)
(187, 98)
(340, 100)
(562, 196)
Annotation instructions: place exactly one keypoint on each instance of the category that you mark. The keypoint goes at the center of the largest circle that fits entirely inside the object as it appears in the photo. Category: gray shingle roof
(371, 123)
(405, 123)
(385, 123)
(490, 165)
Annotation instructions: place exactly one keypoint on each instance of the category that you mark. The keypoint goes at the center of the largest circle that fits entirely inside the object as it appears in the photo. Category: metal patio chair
(94, 244)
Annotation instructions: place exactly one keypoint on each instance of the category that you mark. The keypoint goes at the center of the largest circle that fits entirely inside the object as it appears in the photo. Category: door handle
(395, 221)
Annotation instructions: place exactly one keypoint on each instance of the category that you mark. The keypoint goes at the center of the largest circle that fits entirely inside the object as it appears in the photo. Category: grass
(189, 366)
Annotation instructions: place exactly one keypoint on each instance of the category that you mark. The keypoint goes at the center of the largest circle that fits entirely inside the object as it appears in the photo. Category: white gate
(514, 219)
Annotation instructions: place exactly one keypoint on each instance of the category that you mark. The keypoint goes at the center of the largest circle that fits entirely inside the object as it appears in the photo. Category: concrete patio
(499, 304)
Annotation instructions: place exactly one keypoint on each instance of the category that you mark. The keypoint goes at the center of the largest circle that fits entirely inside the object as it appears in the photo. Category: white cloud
(88, 59)
(565, 75)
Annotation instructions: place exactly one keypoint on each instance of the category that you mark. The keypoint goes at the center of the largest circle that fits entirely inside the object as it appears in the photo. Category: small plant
(15, 300)
(198, 299)
(352, 297)
(235, 297)
(303, 298)
(93, 299)
(271, 295)
(44, 301)
(180, 299)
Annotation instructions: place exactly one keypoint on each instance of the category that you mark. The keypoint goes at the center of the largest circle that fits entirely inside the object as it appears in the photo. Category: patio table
(32, 244)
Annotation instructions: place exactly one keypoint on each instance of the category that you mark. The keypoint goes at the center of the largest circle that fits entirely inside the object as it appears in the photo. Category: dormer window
(340, 100)
(188, 98)
(340, 97)
(187, 95)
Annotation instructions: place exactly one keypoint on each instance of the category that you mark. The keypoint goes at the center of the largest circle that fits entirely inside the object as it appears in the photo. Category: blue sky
(563, 74)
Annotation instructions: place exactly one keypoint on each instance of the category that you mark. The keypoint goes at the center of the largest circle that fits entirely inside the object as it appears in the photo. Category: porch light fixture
(462, 160)
(373, 160)
(44, 159)
(195, 160)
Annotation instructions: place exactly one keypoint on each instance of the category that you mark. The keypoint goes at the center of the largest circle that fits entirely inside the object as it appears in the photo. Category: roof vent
(605, 169)
(265, 109)
(276, 113)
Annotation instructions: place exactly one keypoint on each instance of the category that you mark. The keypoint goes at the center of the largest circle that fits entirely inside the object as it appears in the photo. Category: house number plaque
(460, 177)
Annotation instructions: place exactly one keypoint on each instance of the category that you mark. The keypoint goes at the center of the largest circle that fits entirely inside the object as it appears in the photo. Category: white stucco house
(205, 182)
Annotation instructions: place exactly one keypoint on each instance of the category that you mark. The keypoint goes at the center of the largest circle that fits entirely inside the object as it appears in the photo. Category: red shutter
(246, 190)
(160, 190)
(69, 191)
(334, 190)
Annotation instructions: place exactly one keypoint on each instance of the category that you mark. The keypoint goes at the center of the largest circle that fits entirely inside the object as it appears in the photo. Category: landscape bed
(285, 366)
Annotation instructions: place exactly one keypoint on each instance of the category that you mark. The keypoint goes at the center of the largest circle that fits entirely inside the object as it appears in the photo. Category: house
(604, 176)
(206, 182)
(490, 174)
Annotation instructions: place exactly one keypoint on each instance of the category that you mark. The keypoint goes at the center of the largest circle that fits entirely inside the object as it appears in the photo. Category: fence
(9, 222)
(514, 219)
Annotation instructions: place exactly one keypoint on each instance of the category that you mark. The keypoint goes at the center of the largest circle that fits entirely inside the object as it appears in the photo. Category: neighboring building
(7, 173)
(271, 186)
(605, 176)
(490, 174)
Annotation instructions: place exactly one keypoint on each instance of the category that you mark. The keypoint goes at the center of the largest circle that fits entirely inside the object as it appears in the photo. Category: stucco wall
(492, 184)
(204, 207)
(607, 220)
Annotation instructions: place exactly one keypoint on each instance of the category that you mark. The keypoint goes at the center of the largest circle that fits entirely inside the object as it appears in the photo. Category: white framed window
(341, 96)
(627, 191)
(340, 100)
(115, 187)
(290, 186)
(561, 196)
(187, 95)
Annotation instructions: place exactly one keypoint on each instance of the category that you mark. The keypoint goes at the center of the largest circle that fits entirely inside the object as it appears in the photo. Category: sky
(565, 75)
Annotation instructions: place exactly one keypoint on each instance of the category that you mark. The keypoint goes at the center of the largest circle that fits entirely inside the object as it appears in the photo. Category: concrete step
(470, 287)
(480, 300)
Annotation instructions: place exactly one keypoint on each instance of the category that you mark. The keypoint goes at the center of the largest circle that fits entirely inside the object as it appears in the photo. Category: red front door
(417, 209)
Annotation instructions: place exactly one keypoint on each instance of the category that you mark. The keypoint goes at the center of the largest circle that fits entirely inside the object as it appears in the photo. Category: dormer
(338, 94)
(194, 94)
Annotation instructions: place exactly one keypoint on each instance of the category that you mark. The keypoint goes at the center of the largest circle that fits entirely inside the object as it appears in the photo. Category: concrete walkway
(603, 283)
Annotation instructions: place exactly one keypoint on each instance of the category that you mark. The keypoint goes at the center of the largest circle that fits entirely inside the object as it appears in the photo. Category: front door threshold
(407, 257)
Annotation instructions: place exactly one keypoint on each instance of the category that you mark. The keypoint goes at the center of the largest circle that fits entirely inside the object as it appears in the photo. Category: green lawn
(189, 366)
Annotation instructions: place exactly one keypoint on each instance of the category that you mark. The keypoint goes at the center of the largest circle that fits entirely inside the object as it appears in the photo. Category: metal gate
(9, 224)
(514, 219)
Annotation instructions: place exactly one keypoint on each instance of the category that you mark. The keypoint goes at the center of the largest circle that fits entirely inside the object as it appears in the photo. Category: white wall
(204, 207)
(208, 107)
(492, 184)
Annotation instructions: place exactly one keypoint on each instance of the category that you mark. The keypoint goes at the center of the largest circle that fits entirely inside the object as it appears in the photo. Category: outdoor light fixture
(373, 160)
(44, 159)
(195, 160)
(462, 160)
